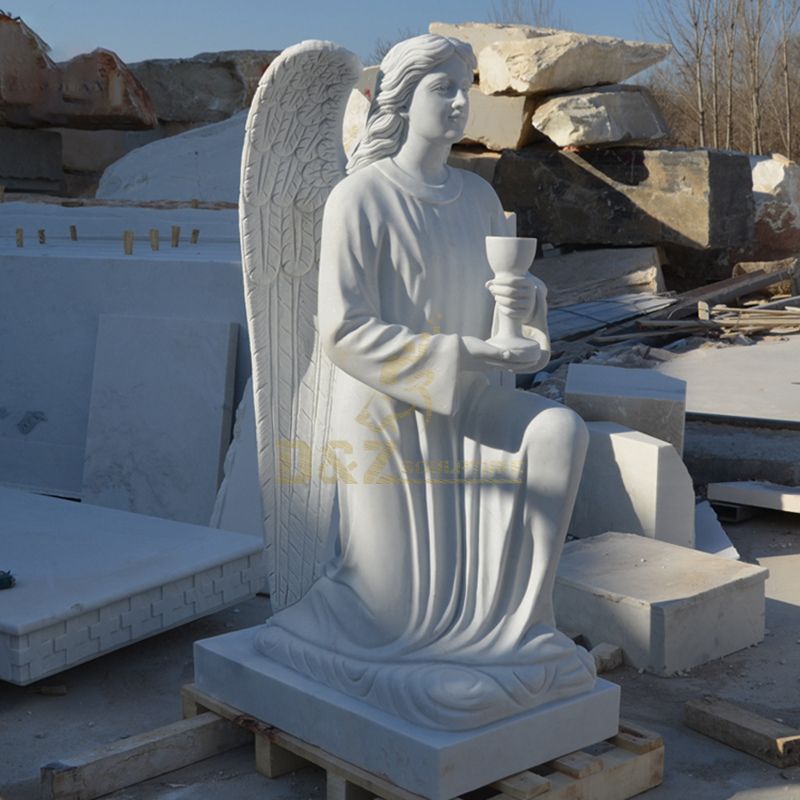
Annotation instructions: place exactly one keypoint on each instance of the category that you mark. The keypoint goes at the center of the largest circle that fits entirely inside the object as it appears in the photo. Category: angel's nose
(460, 99)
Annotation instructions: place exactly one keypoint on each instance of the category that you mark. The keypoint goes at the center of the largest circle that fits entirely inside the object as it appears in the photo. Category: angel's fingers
(512, 302)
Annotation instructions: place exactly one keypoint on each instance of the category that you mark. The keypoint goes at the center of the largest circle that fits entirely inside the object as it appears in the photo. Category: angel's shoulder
(478, 189)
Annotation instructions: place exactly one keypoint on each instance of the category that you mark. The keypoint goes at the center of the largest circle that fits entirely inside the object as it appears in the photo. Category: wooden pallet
(625, 765)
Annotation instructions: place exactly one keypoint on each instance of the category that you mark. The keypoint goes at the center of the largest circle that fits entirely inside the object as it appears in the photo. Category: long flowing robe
(426, 610)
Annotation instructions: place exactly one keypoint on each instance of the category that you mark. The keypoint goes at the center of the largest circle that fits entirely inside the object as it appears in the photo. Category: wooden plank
(378, 786)
(272, 760)
(139, 758)
(724, 291)
(523, 785)
(771, 741)
(624, 775)
(636, 739)
(337, 787)
(577, 764)
(760, 494)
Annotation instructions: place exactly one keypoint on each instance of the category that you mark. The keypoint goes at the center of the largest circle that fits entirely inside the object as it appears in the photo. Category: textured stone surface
(633, 483)
(30, 159)
(669, 608)
(626, 196)
(481, 34)
(642, 399)
(208, 87)
(435, 764)
(99, 91)
(715, 451)
(563, 61)
(790, 285)
(586, 275)
(27, 74)
(605, 116)
(91, 580)
(499, 122)
(159, 415)
(776, 191)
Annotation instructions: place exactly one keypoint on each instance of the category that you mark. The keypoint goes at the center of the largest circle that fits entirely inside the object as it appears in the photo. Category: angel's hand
(514, 295)
(480, 356)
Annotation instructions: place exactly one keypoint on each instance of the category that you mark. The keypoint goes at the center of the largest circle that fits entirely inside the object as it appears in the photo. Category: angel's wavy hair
(402, 68)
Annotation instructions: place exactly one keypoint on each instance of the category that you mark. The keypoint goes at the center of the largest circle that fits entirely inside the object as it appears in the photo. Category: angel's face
(440, 104)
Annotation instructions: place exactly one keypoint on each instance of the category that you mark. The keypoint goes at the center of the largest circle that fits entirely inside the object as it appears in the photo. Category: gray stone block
(642, 399)
(669, 608)
(627, 196)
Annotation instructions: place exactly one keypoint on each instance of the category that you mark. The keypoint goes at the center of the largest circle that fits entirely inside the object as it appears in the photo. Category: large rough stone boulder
(92, 91)
(482, 34)
(499, 122)
(626, 196)
(563, 61)
(208, 87)
(98, 91)
(27, 74)
(776, 191)
(607, 115)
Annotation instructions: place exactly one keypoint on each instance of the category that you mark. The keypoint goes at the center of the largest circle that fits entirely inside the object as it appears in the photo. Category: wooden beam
(771, 741)
(139, 758)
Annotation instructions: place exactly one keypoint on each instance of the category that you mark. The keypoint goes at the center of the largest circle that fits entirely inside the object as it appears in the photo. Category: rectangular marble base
(434, 764)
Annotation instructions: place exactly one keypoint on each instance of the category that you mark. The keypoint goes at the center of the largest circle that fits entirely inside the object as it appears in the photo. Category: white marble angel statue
(416, 504)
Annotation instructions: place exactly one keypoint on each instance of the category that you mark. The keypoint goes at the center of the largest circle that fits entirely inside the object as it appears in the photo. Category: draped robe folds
(425, 610)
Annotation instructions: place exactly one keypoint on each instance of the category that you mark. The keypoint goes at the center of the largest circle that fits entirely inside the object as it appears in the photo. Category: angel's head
(402, 69)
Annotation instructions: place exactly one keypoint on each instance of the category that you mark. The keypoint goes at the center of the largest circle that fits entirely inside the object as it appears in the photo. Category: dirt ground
(138, 688)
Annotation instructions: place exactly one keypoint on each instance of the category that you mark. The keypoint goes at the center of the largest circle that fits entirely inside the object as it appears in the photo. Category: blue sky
(139, 29)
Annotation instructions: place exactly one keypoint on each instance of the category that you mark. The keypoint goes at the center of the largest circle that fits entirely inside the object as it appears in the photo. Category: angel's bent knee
(558, 428)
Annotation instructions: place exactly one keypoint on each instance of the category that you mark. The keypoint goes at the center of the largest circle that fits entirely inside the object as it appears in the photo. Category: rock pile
(581, 157)
(102, 108)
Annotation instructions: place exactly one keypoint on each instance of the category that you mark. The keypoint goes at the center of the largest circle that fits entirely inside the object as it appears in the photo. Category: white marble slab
(160, 415)
(50, 303)
(760, 382)
(669, 608)
(238, 503)
(432, 763)
(91, 580)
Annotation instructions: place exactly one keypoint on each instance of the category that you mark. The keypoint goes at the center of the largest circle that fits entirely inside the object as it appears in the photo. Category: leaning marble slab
(50, 319)
(160, 415)
(433, 763)
(91, 580)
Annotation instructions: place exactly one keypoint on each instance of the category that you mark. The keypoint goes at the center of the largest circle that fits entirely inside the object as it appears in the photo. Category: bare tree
(788, 11)
(539, 13)
(685, 25)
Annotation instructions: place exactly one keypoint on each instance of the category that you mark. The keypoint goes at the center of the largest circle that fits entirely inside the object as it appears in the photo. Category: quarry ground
(136, 689)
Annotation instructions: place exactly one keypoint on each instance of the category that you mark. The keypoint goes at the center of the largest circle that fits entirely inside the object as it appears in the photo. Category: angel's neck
(424, 160)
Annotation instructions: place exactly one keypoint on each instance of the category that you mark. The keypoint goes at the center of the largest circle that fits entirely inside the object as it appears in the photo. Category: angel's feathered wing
(292, 159)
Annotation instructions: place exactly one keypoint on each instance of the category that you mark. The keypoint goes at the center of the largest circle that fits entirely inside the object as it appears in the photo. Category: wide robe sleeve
(413, 367)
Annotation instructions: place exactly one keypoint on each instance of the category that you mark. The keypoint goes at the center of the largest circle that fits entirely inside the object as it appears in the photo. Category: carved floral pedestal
(431, 763)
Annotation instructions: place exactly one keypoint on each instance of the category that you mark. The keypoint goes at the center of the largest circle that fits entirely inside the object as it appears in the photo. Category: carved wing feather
(292, 158)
